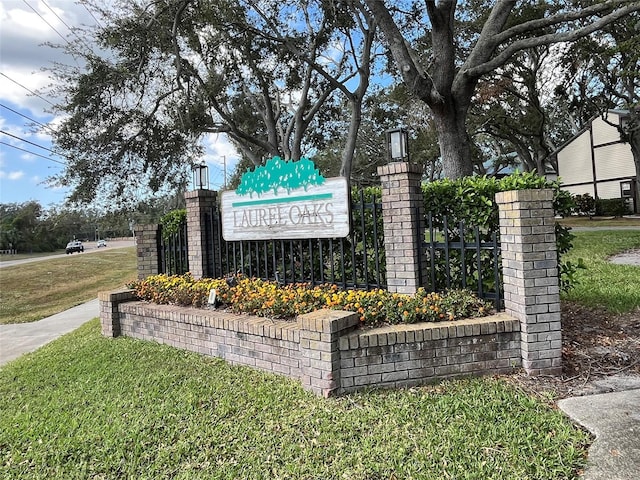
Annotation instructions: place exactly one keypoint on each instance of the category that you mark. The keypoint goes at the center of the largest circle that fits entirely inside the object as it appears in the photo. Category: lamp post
(397, 145)
(200, 176)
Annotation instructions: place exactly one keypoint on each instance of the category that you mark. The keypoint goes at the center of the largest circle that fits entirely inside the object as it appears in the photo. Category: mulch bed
(596, 344)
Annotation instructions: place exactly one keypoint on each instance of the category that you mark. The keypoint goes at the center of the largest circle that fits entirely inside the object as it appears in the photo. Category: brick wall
(530, 276)
(529, 259)
(198, 202)
(409, 355)
(148, 250)
(323, 349)
(402, 214)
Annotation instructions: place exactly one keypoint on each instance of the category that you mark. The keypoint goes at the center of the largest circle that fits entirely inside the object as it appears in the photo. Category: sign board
(286, 200)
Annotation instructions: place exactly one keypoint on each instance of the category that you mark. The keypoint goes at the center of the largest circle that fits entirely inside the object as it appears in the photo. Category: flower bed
(269, 299)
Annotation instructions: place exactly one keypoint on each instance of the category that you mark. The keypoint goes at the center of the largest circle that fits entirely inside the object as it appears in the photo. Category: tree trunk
(455, 147)
(350, 144)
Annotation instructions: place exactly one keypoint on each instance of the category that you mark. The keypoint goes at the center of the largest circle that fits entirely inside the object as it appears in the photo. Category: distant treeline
(28, 227)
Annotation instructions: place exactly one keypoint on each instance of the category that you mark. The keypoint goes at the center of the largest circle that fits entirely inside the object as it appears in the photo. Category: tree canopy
(271, 76)
(294, 78)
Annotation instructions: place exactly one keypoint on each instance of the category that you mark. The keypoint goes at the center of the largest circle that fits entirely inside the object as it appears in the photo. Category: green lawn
(23, 256)
(86, 406)
(616, 287)
(32, 291)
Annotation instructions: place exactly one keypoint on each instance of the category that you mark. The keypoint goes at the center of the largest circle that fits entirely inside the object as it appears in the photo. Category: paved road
(89, 247)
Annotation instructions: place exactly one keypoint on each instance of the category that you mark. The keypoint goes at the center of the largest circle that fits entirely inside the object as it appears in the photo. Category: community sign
(286, 200)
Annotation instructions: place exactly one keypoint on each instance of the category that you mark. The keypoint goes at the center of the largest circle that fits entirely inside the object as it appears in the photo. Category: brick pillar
(148, 250)
(320, 333)
(402, 213)
(198, 202)
(109, 313)
(530, 274)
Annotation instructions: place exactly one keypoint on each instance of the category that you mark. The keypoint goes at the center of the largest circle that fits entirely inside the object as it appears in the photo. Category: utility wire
(27, 141)
(32, 153)
(43, 19)
(27, 89)
(68, 27)
(28, 118)
(91, 13)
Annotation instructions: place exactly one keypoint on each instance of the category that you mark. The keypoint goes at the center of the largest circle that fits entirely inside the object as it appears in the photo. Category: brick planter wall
(409, 355)
(323, 349)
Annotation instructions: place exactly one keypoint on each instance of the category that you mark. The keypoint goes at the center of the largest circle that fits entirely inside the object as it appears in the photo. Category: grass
(32, 291)
(600, 222)
(615, 287)
(86, 406)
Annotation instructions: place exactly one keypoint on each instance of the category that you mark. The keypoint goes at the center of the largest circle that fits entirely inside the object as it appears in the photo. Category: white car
(101, 243)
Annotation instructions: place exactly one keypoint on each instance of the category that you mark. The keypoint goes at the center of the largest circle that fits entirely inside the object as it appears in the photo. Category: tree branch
(523, 44)
(415, 79)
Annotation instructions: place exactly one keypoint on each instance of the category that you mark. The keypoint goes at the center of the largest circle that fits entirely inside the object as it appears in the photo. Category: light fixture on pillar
(398, 145)
(200, 176)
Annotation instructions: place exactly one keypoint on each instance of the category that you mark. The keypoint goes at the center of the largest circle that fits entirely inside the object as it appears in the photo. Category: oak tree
(441, 64)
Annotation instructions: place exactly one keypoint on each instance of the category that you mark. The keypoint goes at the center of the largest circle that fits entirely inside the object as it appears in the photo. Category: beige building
(597, 162)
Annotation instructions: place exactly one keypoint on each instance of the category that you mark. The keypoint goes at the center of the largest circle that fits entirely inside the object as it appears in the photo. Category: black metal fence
(356, 261)
(454, 255)
(174, 252)
(461, 256)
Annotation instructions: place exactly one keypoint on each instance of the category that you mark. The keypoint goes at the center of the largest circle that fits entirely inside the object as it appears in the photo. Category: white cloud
(23, 54)
(27, 157)
(15, 175)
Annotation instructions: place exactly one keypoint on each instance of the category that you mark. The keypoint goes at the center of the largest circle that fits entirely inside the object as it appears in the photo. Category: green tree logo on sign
(278, 174)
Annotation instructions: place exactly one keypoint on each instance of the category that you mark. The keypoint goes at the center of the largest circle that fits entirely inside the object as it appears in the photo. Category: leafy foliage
(269, 299)
(611, 206)
(471, 200)
(172, 221)
(170, 73)
(584, 204)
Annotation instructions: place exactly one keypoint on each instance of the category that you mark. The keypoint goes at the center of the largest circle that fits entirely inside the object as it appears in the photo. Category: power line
(32, 153)
(91, 13)
(27, 89)
(28, 118)
(34, 144)
(27, 141)
(43, 19)
(66, 25)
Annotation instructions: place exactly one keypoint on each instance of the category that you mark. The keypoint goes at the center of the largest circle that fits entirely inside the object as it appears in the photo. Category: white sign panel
(286, 200)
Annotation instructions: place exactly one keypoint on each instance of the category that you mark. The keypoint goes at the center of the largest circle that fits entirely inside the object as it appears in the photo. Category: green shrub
(472, 200)
(616, 207)
(171, 222)
(584, 205)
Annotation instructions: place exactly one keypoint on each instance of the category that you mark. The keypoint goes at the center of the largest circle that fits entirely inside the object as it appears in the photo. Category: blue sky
(25, 124)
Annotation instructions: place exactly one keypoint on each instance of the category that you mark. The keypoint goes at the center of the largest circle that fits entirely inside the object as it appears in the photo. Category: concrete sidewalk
(20, 338)
(614, 418)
